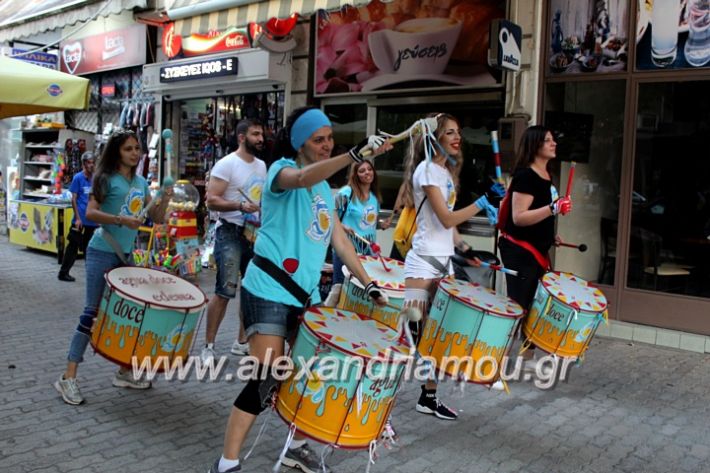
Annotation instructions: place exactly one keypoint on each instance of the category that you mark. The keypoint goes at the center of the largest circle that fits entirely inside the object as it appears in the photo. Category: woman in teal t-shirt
(297, 225)
(118, 197)
(358, 206)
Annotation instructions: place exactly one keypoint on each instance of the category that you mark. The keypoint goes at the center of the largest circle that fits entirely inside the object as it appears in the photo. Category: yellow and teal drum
(146, 313)
(347, 371)
(469, 331)
(353, 297)
(565, 314)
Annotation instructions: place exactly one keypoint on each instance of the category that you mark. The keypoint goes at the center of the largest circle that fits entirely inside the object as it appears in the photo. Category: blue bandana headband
(307, 124)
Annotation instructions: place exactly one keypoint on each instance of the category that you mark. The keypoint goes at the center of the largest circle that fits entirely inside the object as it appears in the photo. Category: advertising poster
(405, 44)
(672, 34)
(588, 36)
(116, 49)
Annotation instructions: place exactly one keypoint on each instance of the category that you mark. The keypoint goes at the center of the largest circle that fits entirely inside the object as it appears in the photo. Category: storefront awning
(201, 16)
(21, 18)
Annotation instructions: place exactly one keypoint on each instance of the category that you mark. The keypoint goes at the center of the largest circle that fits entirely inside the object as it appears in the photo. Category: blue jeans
(338, 276)
(232, 254)
(97, 263)
(268, 317)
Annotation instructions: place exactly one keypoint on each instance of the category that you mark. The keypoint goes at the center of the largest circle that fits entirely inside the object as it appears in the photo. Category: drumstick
(246, 196)
(495, 267)
(496, 155)
(415, 129)
(570, 179)
(581, 247)
(375, 249)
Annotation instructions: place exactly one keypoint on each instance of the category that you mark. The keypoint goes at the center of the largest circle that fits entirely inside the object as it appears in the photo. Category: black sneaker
(65, 277)
(305, 460)
(215, 468)
(429, 404)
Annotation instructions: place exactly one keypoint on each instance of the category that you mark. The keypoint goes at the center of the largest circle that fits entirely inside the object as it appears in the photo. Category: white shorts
(417, 268)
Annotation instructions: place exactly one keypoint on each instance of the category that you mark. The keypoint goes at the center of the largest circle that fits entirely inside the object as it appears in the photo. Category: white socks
(296, 444)
(225, 464)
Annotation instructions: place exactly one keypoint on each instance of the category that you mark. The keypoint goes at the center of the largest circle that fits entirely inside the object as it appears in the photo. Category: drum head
(353, 334)
(390, 281)
(480, 297)
(155, 288)
(574, 291)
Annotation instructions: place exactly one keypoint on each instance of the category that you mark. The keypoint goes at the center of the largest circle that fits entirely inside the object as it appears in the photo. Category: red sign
(111, 50)
(108, 90)
(199, 44)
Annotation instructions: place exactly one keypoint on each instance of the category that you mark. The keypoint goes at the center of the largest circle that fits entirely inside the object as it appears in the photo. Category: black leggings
(520, 289)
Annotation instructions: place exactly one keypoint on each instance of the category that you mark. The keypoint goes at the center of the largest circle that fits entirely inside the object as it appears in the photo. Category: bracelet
(118, 221)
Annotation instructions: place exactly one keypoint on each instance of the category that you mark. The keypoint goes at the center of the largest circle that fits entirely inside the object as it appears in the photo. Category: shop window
(349, 128)
(670, 222)
(588, 120)
(476, 119)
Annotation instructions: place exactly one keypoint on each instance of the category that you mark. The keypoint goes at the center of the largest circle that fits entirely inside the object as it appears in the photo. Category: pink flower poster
(405, 44)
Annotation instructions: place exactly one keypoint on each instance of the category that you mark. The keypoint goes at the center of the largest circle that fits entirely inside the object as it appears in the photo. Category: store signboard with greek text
(125, 47)
(404, 45)
(588, 36)
(199, 70)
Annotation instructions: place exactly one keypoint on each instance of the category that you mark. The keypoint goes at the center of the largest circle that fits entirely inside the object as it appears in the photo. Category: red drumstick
(375, 249)
(570, 179)
(581, 247)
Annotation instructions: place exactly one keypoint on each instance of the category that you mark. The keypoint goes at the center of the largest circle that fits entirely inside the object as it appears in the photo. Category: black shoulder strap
(342, 211)
(409, 233)
(282, 277)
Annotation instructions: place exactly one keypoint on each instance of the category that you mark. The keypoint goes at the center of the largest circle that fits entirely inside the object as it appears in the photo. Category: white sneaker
(126, 380)
(69, 389)
(239, 348)
(207, 354)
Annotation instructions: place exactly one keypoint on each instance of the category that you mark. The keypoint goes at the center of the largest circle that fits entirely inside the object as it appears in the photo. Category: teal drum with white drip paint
(347, 369)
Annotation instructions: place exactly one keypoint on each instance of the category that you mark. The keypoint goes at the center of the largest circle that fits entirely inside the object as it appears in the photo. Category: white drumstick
(416, 128)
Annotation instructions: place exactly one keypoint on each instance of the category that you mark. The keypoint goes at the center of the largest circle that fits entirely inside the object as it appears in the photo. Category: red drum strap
(542, 260)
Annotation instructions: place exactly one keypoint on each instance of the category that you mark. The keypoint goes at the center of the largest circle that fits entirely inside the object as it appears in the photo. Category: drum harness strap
(283, 278)
(108, 238)
(542, 260)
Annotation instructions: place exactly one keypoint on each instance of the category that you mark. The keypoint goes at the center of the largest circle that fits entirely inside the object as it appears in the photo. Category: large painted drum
(348, 391)
(469, 330)
(565, 314)
(352, 295)
(146, 313)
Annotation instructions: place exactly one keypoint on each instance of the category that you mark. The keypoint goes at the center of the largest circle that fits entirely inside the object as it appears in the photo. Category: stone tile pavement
(628, 408)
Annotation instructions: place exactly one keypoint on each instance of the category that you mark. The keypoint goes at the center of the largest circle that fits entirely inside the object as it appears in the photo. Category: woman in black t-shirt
(529, 228)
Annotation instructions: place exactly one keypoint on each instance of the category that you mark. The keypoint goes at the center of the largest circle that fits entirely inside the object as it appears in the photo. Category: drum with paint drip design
(147, 314)
(353, 297)
(565, 314)
(469, 330)
(347, 371)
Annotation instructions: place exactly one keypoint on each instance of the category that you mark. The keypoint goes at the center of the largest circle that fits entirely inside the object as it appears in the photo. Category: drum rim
(589, 284)
(155, 304)
(364, 318)
(469, 304)
(350, 275)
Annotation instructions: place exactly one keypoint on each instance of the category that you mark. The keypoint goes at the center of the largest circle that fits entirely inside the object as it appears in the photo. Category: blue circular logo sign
(54, 90)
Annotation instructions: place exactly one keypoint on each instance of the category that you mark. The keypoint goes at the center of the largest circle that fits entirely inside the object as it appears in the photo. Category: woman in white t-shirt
(433, 187)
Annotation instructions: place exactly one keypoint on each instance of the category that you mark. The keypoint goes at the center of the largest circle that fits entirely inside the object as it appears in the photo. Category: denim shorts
(268, 317)
(232, 254)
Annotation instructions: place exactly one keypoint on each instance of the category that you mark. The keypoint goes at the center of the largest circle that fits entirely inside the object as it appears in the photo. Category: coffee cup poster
(672, 34)
(405, 44)
(588, 36)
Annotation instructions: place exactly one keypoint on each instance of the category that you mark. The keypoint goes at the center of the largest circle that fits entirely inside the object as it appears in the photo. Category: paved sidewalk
(628, 408)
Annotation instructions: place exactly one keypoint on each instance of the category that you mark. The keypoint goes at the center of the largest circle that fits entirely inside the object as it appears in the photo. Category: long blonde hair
(416, 154)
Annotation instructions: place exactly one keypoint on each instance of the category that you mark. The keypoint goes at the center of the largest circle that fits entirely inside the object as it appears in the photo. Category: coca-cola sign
(199, 44)
(115, 49)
